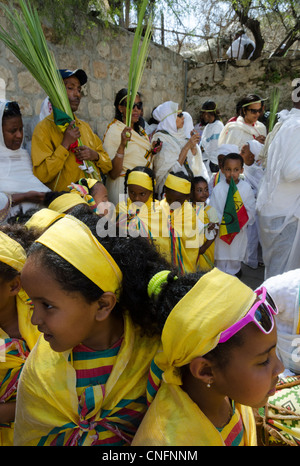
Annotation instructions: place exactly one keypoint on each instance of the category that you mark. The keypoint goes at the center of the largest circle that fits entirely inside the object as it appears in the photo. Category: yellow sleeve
(47, 154)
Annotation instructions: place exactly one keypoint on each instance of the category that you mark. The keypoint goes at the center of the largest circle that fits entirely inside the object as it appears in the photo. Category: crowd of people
(123, 319)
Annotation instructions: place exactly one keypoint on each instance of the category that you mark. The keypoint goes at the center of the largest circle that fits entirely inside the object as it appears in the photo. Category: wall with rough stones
(226, 82)
(104, 53)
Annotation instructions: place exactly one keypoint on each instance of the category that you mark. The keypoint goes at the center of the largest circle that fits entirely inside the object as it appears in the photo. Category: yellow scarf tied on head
(43, 218)
(66, 201)
(216, 302)
(140, 179)
(73, 241)
(11, 252)
(178, 184)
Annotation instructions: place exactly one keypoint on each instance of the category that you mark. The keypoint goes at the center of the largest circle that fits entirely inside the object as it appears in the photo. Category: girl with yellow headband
(141, 214)
(218, 361)
(17, 334)
(85, 381)
(181, 236)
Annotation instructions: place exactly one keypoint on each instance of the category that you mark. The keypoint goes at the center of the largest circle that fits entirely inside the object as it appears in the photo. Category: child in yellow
(85, 381)
(200, 194)
(181, 236)
(216, 361)
(17, 334)
(141, 214)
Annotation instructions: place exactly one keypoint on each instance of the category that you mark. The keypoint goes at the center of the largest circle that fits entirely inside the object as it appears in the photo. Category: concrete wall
(105, 56)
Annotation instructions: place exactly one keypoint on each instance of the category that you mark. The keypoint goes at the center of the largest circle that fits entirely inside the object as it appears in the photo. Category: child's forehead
(201, 183)
(232, 163)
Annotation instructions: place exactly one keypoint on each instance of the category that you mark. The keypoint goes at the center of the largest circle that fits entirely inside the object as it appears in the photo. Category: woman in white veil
(16, 174)
(180, 150)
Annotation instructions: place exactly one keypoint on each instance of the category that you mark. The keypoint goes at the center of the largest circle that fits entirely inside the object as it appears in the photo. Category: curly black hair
(137, 258)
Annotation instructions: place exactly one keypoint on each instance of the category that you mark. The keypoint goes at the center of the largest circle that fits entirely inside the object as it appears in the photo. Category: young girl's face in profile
(65, 318)
(200, 193)
(251, 375)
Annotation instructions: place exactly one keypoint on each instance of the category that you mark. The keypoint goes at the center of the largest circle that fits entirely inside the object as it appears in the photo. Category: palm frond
(274, 102)
(139, 54)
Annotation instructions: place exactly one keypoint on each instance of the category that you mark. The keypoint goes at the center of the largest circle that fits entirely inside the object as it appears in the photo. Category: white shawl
(173, 142)
(16, 174)
(238, 132)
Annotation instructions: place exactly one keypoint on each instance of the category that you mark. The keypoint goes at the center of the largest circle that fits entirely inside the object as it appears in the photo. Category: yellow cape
(47, 397)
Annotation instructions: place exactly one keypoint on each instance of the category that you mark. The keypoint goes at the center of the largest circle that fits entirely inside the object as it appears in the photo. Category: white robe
(16, 175)
(253, 175)
(237, 249)
(278, 200)
(284, 289)
(238, 132)
(209, 140)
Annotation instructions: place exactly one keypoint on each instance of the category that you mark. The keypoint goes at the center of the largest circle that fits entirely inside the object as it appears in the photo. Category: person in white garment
(278, 199)
(211, 133)
(228, 257)
(16, 176)
(253, 174)
(222, 151)
(180, 150)
(285, 291)
(246, 126)
(242, 47)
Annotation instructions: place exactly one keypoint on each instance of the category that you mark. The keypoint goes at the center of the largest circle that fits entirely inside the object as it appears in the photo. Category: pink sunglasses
(261, 313)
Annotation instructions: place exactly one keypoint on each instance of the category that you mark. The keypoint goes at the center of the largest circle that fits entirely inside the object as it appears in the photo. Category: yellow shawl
(13, 354)
(47, 399)
(137, 153)
(210, 307)
(181, 238)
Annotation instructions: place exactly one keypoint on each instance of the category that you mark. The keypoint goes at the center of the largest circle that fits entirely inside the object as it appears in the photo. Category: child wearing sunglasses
(220, 365)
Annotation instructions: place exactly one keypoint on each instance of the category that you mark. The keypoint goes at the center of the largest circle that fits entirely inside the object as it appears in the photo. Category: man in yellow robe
(54, 161)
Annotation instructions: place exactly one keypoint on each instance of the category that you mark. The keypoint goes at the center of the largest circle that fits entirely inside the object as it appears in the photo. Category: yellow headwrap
(66, 201)
(216, 302)
(43, 218)
(72, 240)
(141, 179)
(11, 252)
(178, 184)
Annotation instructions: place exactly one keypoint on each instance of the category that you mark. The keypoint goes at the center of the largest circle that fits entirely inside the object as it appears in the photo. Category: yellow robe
(181, 237)
(56, 166)
(173, 419)
(10, 364)
(47, 396)
(137, 153)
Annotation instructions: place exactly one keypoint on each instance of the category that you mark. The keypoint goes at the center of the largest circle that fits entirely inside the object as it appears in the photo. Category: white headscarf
(226, 149)
(255, 148)
(166, 114)
(16, 174)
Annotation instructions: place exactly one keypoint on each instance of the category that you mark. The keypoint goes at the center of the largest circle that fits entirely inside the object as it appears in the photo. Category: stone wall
(104, 53)
(226, 82)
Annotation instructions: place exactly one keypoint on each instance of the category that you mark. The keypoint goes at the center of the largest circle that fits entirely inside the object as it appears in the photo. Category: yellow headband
(178, 184)
(216, 302)
(66, 201)
(11, 252)
(73, 241)
(141, 179)
(43, 218)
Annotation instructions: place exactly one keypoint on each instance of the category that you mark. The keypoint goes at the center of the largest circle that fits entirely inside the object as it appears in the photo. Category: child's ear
(15, 285)
(105, 304)
(201, 368)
